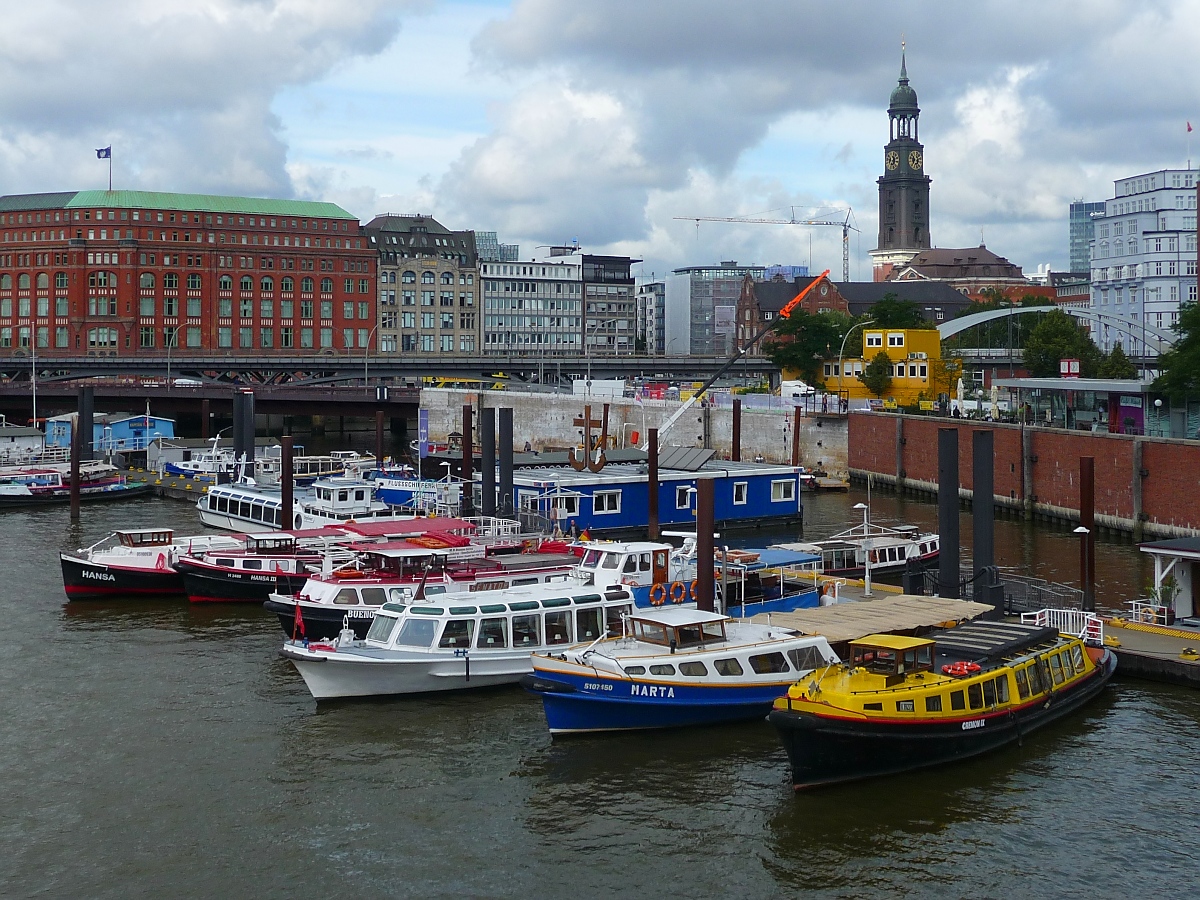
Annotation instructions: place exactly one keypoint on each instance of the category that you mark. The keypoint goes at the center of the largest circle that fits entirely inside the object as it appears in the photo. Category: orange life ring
(692, 589)
(960, 669)
(348, 573)
(678, 591)
(658, 594)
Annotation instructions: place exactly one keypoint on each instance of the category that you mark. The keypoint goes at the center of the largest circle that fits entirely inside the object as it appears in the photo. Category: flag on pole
(1189, 125)
(106, 152)
(298, 622)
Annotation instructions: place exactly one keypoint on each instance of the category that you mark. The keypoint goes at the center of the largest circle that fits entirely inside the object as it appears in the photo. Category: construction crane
(845, 225)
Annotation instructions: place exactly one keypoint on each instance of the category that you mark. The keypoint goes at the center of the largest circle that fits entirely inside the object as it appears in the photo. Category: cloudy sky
(602, 120)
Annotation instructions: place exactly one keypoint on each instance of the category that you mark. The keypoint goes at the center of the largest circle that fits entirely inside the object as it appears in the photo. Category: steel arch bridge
(1158, 339)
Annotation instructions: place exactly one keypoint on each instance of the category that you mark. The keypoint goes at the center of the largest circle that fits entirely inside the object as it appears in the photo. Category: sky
(603, 121)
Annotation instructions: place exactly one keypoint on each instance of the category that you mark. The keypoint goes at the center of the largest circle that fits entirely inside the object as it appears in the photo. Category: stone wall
(547, 421)
(1144, 485)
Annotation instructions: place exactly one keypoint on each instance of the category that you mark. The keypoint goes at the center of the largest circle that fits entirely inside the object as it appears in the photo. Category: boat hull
(339, 675)
(579, 704)
(204, 585)
(84, 580)
(63, 495)
(824, 750)
(321, 621)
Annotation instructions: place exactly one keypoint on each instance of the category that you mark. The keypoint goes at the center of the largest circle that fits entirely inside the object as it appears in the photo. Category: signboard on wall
(1068, 368)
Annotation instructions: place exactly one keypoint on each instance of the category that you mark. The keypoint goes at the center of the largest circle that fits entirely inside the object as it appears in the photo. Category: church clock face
(892, 160)
(914, 160)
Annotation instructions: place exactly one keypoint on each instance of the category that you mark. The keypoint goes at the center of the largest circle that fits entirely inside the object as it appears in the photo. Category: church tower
(903, 187)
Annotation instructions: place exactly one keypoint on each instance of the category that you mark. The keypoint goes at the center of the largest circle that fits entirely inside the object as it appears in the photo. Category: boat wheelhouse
(456, 641)
(266, 563)
(134, 562)
(669, 668)
(902, 703)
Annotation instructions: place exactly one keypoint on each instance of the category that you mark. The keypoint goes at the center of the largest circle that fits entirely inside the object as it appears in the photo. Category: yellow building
(913, 353)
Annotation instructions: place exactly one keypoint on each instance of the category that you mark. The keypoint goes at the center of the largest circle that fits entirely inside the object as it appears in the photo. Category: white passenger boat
(456, 641)
(672, 667)
(331, 501)
(889, 549)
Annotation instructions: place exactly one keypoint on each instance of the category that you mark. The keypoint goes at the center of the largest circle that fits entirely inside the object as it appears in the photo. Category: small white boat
(456, 641)
(331, 501)
(673, 667)
(889, 549)
(135, 562)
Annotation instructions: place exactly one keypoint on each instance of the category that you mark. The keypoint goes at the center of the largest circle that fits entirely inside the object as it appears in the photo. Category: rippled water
(152, 748)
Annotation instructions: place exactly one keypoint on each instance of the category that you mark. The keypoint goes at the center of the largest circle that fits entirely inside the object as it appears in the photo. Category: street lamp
(366, 357)
(841, 353)
(172, 338)
(866, 547)
(1084, 567)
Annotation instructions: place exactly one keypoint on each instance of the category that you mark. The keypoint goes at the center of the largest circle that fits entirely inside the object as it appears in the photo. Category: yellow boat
(904, 703)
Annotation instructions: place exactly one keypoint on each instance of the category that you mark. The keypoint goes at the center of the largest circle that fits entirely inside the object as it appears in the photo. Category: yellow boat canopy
(892, 642)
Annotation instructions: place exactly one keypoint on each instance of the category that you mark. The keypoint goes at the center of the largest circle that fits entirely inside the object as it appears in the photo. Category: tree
(805, 340)
(877, 376)
(891, 312)
(1117, 364)
(943, 375)
(1055, 338)
(1180, 366)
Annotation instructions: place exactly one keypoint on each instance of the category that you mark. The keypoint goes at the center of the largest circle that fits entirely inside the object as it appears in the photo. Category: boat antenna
(420, 594)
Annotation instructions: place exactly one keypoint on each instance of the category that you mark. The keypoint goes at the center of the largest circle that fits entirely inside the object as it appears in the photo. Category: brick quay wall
(1144, 485)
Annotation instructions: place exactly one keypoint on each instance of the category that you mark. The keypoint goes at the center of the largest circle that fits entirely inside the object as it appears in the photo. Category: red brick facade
(123, 277)
(1167, 476)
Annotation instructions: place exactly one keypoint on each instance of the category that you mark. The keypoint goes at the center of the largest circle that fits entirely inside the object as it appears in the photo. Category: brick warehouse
(118, 273)
(1144, 485)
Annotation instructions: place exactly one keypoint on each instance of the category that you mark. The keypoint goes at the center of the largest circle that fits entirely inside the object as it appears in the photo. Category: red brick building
(119, 273)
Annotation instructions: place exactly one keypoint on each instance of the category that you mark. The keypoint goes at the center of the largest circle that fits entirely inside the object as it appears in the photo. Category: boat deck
(1155, 653)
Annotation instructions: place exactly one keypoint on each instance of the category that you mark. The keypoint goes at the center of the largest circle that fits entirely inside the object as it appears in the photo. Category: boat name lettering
(98, 576)
(596, 686)
(651, 690)
(977, 723)
(361, 613)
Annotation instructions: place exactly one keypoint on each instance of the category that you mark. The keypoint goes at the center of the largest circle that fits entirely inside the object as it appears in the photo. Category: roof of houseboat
(715, 468)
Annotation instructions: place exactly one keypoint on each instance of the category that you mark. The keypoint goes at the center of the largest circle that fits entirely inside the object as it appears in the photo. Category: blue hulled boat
(672, 667)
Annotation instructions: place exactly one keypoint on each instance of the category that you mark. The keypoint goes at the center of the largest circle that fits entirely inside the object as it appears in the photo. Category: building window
(683, 497)
(326, 338)
(285, 308)
(266, 309)
(224, 307)
(62, 306)
(606, 502)
(874, 340)
(246, 307)
(348, 338)
(306, 338)
(306, 310)
(225, 337)
(740, 492)
(265, 337)
(285, 338)
(306, 285)
(364, 309)
(326, 285)
(193, 281)
(348, 309)
(193, 306)
(427, 343)
(146, 308)
(246, 337)
(193, 337)
(783, 491)
(895, 339)
(62, 337)
(326, 309)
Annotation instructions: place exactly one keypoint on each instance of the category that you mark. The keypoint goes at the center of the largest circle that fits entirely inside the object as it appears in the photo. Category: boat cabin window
(374, 596)
(493, 634)
(610, 561)
(1056, 668)
(590, 559)
(989, 693)
(587, 624)
(650, 632)
(613, 621)
(517, 582)
(768, 663)
(635, 670)
(1068, 669)
(933, 703)
(1022, 685)
(360, 494)
(694, 669)
(346, 597)
(728, 667)
(805, 658)
(631, 564)
(457, 633)
(558, 627)
(1077, 657)
(975, 695)
(1002, 689)
(1035, 678)
(222, 504)
(417, 633)
(957, 700)
(254, 565)
(247, 506)
(886, 661)
(526, 631)
(381, 629)
(224, 562)
(662, 670)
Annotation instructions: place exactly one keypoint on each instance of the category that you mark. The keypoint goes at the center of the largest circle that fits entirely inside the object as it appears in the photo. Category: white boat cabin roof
(145, 537)
(676, 617)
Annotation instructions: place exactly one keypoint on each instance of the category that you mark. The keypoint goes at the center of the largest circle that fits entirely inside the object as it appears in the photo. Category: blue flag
(104, 152)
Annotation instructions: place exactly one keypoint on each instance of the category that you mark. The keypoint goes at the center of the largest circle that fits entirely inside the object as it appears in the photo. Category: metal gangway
(1074, 622)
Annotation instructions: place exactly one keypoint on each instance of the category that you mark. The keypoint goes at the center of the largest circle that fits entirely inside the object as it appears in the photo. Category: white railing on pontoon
(1074, 622)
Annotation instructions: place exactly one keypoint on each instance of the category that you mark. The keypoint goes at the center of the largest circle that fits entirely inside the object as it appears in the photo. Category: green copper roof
(207, 203)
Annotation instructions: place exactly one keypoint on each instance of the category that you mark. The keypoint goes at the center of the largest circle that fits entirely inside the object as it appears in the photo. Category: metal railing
(1074, 622)
(1022, 593)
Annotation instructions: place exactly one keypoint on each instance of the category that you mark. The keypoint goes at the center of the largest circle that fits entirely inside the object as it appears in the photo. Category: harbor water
(152, 748)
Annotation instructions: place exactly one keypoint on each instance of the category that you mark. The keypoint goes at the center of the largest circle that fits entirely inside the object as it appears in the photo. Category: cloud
(181, 91)
(1025, 106)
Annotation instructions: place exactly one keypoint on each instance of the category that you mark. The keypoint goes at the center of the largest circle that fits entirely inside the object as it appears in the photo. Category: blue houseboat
(615, 500)
(113, 432)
